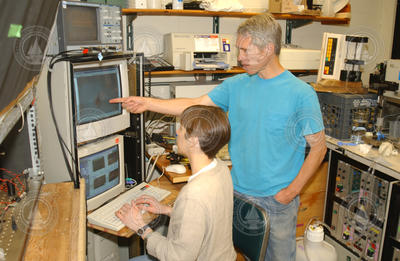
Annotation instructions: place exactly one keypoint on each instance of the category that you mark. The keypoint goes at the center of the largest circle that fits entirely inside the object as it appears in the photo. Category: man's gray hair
(263, 29)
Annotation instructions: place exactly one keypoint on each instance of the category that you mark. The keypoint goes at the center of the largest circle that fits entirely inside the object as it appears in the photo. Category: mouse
(176, 168)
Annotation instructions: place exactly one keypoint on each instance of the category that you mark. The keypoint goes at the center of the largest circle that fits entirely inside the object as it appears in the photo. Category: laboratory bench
(361, 207)
(49, 223)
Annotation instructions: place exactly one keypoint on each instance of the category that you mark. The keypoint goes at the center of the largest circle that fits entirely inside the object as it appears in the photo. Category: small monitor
(94, 85)
(81, 25)
(101, 164)
(88, 25)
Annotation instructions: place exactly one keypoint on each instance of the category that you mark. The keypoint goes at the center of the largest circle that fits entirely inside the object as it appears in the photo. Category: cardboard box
(284, 6)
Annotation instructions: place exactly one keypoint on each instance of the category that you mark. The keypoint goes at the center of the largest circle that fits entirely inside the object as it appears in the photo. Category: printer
(195, 51)
(300, 59)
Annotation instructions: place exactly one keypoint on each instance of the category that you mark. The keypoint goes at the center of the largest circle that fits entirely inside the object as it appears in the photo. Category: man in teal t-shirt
(268, 147)
(273, 115)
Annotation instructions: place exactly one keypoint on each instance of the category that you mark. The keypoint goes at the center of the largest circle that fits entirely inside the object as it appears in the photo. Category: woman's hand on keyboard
(152, 205)
(130, 215)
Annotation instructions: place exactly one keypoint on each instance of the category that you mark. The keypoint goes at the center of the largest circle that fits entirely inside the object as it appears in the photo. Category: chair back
(250, 228)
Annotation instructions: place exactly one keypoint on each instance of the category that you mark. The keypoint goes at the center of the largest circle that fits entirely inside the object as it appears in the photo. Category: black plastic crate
(343, 113)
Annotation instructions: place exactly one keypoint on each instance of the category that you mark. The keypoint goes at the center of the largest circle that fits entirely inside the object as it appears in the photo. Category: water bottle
(313, 247)
(177, 4)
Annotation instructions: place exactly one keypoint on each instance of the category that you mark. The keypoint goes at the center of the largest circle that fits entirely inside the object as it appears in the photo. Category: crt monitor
(81, 25)
(93, 86)
(101, 164)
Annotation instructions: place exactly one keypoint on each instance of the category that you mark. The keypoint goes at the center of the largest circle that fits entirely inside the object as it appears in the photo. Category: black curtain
(21, 54)
(396, 35)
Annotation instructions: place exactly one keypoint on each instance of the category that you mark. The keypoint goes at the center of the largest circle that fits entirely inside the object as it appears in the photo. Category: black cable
(60, 139)
(51, 106)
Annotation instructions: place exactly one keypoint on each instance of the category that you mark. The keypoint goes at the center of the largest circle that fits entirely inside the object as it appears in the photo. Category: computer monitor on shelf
(87, 25)
(101, 164)
(93, 86)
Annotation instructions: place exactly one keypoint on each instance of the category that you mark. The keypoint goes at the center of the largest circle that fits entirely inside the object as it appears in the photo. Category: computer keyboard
(105, 215)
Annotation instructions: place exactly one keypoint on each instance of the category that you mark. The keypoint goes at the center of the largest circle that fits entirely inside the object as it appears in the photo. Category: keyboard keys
(105, 215)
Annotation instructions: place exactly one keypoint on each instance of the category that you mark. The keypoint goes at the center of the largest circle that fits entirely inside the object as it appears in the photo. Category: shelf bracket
(127, 23)
(215, 30)
(290, 25)
(215, 24)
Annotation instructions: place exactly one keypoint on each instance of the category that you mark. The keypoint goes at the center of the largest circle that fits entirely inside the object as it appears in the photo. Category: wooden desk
(164, 184)
(58, 230)
(162, 163)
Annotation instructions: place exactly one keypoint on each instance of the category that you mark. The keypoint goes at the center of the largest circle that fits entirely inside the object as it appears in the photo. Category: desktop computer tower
(102, 246)
(134, 149)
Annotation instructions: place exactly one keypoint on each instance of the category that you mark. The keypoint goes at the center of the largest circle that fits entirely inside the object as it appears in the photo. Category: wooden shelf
(175, 72)
(234, 70)
(279, 16)
(172, 12)
(10, 115)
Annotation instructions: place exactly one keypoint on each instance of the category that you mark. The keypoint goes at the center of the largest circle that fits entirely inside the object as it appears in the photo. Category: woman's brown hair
(209, 124)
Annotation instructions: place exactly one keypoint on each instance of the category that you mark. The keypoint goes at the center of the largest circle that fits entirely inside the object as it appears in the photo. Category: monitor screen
(101, 171)
(101, 164)
(93, 88)
(80, 24)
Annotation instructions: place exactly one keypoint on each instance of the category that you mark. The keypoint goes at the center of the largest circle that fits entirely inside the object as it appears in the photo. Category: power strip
(31, 119)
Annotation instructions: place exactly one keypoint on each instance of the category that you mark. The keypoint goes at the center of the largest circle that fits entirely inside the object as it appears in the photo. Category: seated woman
(200, 227)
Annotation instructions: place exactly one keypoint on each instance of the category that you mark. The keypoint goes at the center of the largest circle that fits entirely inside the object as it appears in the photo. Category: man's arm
(136, 104)
(312, 162)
